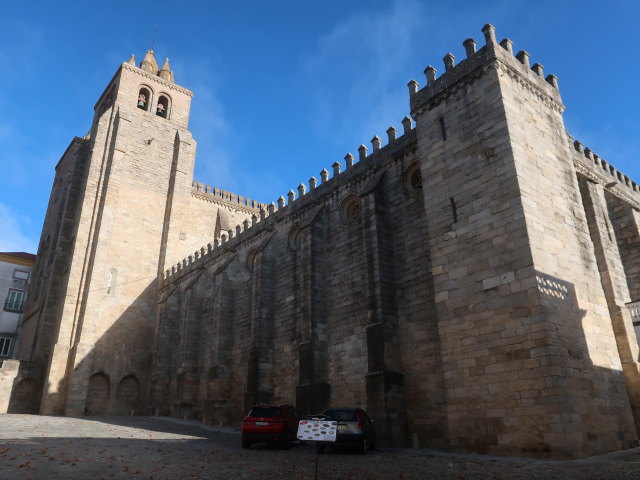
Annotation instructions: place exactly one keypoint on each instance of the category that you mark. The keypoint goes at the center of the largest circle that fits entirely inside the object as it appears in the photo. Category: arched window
(143, 99)
(162, 109)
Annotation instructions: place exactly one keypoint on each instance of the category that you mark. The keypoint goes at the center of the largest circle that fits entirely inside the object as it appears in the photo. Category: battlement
(437, 88)
(302, 198)
(472, 67)
(200, 189)
(596, 168)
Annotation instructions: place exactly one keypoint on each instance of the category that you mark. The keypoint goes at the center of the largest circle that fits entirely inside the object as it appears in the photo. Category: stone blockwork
(520, 307)
(467, 283)
(122, 207)
(310, 296)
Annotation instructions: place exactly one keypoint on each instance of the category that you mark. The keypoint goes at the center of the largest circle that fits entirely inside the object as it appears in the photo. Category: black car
(355, 429)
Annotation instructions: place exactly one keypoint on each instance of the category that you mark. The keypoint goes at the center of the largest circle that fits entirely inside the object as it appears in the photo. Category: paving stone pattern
(158, 448)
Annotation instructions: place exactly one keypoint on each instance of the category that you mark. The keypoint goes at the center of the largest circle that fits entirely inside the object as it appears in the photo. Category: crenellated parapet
(475, 65)
(296, 204)
(591, 165)
(206, 192)
(519, 67)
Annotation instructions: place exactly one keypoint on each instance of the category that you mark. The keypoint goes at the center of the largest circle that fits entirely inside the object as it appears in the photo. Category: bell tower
(111, 232)
(149, 88)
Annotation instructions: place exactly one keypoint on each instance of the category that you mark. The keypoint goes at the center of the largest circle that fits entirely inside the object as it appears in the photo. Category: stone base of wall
(8, 374)
(20, 387)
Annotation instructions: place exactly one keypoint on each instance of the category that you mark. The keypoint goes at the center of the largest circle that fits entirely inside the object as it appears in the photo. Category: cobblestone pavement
(94, 448)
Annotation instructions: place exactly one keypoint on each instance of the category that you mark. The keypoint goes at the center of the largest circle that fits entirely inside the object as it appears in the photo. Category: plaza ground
(152, 448)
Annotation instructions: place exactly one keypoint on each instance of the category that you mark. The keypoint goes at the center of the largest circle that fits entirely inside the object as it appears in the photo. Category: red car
(270, 424)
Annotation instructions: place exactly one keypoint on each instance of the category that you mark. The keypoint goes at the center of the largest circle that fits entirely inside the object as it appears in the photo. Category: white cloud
(208, 121)
(365, 51)
(13, 238)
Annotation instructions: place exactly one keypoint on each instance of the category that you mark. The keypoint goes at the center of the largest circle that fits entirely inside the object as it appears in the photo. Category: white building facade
(15, 272)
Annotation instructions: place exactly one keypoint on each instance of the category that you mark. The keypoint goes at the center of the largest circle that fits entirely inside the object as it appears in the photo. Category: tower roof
(165, 71)
(149, 63)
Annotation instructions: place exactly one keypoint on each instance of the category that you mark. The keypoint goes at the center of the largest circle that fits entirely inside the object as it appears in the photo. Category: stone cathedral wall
(310, 303)
(467, 283)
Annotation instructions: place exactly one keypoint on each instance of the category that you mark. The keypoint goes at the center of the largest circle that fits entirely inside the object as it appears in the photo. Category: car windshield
(341, 415)
(265, 412)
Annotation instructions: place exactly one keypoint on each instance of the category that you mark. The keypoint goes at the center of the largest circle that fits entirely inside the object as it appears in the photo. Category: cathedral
(466, 280)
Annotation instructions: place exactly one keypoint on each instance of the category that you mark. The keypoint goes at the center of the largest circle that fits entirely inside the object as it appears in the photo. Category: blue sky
(282, 89)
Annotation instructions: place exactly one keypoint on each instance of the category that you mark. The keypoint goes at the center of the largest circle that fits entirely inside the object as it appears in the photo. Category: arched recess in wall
(144, 98)
(164, 106)
(294, 241)
(97, 395)
(128, 395)
(251, 259)
(25, 397)
(222, 223)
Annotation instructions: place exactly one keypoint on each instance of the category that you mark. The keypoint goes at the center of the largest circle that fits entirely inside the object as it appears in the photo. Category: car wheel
(286, 441)
(363, 447)
(246, 444)
(319, 448)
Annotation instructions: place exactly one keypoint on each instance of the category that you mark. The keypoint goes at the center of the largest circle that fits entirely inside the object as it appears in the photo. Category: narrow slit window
(454, 210)
(443, 128)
